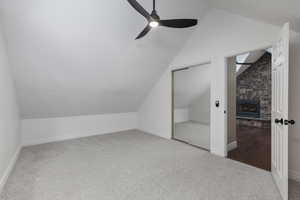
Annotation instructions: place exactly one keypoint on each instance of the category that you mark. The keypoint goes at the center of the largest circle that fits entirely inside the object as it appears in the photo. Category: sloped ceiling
(79, 57)
(275, 12)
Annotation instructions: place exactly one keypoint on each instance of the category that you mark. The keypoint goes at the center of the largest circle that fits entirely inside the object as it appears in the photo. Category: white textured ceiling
(275, 12)
(79, 57)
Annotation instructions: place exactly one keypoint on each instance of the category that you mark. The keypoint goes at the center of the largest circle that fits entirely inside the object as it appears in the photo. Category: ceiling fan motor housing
(155, 16)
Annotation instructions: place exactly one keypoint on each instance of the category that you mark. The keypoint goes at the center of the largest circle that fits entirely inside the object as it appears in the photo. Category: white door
(280, 97)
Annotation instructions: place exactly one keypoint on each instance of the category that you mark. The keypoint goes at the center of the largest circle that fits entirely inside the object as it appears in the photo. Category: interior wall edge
(10, 140)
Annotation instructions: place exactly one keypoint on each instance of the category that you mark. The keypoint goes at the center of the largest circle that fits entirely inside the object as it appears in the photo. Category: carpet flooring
(132, 165)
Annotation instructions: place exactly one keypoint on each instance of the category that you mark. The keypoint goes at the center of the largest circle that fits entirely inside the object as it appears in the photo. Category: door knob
(291, 122)
(279, 121)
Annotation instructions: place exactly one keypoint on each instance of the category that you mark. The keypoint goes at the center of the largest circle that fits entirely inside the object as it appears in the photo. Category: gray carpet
(132, 165)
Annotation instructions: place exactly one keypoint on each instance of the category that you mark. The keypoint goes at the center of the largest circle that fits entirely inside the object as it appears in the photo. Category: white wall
(155, 114)
(9, 117)
(37, 131)
(215, 39)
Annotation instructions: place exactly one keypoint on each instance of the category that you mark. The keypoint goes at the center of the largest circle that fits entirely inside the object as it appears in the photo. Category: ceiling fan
(155, 21)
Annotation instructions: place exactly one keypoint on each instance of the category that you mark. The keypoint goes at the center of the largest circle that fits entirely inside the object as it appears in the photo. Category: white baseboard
(9, 169)
(294, 175)
(231, 146)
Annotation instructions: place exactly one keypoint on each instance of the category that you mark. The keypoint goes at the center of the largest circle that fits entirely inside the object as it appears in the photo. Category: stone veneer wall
(255, 83)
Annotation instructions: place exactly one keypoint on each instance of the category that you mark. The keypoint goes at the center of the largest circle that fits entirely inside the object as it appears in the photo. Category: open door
(280, 100)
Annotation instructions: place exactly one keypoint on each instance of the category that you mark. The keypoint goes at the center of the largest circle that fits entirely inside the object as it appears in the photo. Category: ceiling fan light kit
(155, 21)
(154, 24)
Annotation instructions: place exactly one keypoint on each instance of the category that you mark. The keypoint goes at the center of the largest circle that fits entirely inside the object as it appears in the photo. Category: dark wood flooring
(254, 147)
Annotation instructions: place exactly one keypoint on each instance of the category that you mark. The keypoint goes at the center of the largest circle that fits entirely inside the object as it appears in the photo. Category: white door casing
(280, 97)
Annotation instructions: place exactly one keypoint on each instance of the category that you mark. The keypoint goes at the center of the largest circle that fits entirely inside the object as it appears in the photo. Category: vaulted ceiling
(275, 12)
(79, 57)
(74, 57)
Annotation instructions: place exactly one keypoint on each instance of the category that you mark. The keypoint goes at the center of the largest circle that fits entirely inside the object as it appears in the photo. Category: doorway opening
(249, 108)
(191, 105)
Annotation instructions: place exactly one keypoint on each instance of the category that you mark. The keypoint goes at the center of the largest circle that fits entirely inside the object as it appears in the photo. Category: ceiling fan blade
(179, 23)
(144, 32)
(139, 8)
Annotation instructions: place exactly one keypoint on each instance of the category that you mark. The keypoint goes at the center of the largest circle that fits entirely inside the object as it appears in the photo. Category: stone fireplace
(254, 94)
(248, 108)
